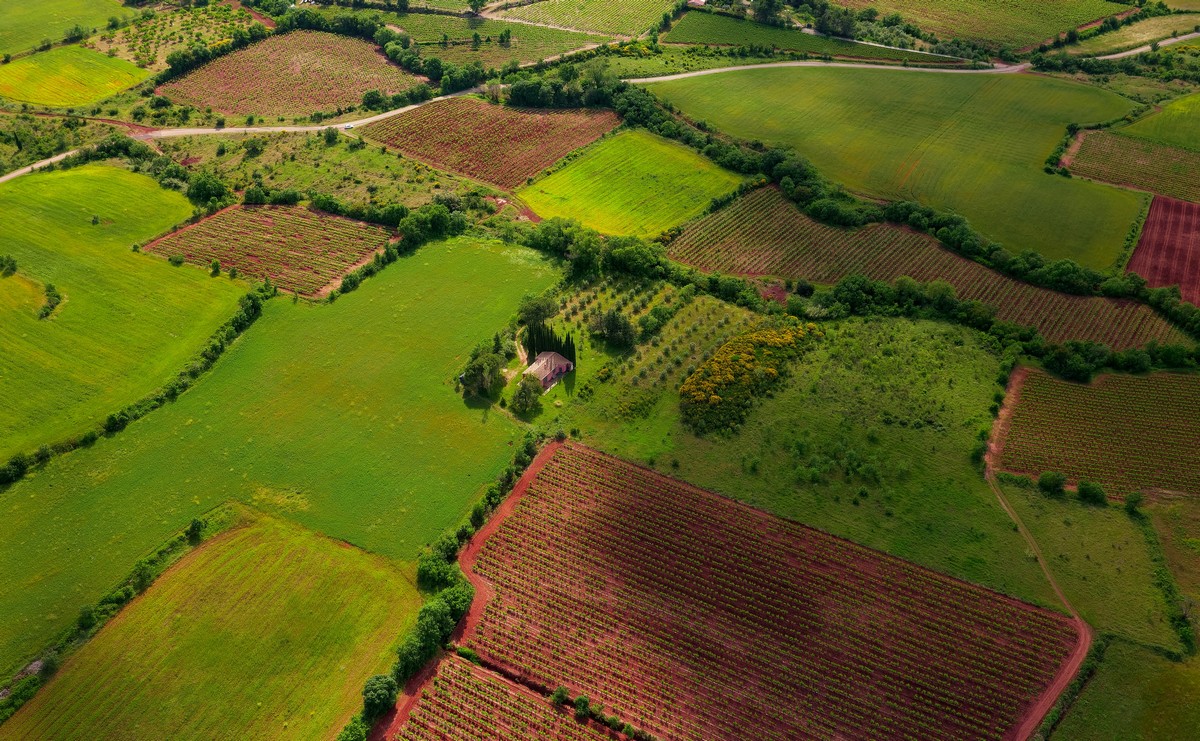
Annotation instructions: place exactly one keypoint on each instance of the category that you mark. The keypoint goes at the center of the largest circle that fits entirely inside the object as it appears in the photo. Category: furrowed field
(127, 324)
(721, 30)
(764, 234)
(341, 416)
(67, 76)
(298, 73)
(974, 144)
(1018, 23)
(1139, 163)
(497, 144)
(634, 183)
(24, 25)
(624, 17)
(467, 702)
(1177, 124)
(268, 631)
(802, 633)
(300, 250)
(1168, 253)
(1126, 433)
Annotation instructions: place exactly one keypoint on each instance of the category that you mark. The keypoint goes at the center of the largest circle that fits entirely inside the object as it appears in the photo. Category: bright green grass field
(267, 631)
(341, 416)
(127, 323)
(974, 144)
(1135, 695)
(1095, 553)
(634, 183)
(23, 25)
(1138, 34)
(1177, 124)
(67, 76)
(870, 439)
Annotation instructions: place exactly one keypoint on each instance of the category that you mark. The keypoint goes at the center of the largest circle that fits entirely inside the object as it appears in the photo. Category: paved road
(1146, 48)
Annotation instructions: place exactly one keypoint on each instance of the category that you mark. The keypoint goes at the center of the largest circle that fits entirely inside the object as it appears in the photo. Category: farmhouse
(548, 367)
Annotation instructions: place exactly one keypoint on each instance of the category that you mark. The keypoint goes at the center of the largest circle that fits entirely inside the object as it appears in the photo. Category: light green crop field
(1135, 695)
(1020, 23)
(624, 17)
(341, 416)
(1177, 124)
(1095, 553)
(67, 76)
(870, 439)
(23, 25)
(974, 144)
(127, 324)
(634, 183)
(267, 631)
(1137, 34)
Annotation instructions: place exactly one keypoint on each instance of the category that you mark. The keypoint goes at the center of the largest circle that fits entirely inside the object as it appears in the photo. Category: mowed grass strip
(23, 25)
(127, 324)
(1127, 433)
(299, 250)
(974, 144)
(765, 234)
(500, 145)
(1139, 163)
(634, 183)
(343, 417)
(267, 631)
(624, 17)
(1177, 124)
(296, 73)
(67, 76)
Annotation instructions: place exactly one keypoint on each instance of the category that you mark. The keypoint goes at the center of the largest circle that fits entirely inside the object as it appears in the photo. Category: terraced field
(497, 144)
(1139, 163)
(764, 234)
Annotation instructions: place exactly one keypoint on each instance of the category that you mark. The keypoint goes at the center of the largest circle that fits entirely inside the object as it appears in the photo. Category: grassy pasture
(341, 416)
(1021, 23)
(632, 183)
(67, 76)
(128, 322)
(624, 17)
(1139, 163)
(1177, 124)
(23, 25)
(267, 631)
(974, 144)
(1138, 34)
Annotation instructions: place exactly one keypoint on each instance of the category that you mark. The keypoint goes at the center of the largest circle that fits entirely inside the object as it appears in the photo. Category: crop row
(695, 617)
(497, 144)
(1139, 163)
(296, 73)
(298, 249)
(764, 234)
(1127, 433)
(1168, 254)
(468, 703)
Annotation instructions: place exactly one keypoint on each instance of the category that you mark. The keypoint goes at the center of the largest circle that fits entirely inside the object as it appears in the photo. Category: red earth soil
(1168, 253)
(692, 616)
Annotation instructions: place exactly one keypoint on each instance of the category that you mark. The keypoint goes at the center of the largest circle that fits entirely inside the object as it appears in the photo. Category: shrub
(583, 708)
(560, 696)
(1052, 484)
(1091, 493)
(379, 695)
(1132, 502)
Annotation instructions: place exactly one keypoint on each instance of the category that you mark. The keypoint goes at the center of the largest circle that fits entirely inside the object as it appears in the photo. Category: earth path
(1146, 48)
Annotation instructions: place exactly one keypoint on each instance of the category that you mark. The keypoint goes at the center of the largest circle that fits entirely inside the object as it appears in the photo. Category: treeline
(538, 338)
(1108, 25)
(1169, 64)
(182, 61)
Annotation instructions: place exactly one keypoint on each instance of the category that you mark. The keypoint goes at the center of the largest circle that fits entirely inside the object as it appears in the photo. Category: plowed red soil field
(765, 234)
(1168, 253)
(300, 250)
(691, 616)
(496, 144)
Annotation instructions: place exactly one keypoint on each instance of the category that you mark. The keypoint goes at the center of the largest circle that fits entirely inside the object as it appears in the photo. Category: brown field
(496, 144)
(764, 234)
(1168, 253)
(1138, 163)
(295, 74)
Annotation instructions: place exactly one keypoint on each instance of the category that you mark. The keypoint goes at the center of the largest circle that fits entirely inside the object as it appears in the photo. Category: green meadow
(23, 25)
(1177, 124)
(67, 76)
(342, 417)
(267, 631)
(127, 324)
(973, 144)
(634, 183)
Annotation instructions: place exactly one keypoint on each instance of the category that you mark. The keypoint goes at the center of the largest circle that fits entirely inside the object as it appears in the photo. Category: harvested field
(1169, 251)
(1139, 163)
(464, 701)
(694, 617)
(497, 144)
(300, 250)
(297, 73)
(765, 234)
(1127, 433)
